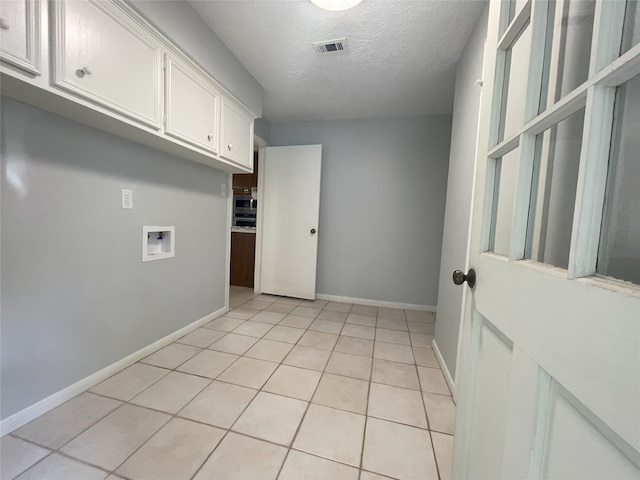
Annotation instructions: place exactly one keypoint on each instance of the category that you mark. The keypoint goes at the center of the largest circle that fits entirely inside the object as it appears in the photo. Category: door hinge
(164, 64)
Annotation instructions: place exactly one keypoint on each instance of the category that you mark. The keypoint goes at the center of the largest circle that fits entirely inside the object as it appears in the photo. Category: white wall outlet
(127, 199)
(223, 189)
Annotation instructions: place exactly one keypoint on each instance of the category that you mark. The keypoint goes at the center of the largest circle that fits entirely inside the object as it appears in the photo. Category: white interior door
(549, 366)
(290, 210)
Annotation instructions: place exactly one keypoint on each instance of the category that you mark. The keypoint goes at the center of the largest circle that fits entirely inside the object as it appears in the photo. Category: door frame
(261, 144)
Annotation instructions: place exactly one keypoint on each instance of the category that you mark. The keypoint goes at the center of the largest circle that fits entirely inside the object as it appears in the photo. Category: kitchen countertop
(243, 229)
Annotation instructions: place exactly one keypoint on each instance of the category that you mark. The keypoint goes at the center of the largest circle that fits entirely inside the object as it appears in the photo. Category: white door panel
(291, 205)
(549, 363)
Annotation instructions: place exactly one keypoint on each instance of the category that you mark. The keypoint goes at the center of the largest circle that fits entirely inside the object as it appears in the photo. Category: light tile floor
(278, 388)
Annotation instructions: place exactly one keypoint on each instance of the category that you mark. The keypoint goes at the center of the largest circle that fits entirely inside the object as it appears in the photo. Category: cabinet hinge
(164, 64)
(164, 120)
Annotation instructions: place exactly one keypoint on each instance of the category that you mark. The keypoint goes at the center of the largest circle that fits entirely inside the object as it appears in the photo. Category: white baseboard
(25, 415)
(376, 303)
(443, 367)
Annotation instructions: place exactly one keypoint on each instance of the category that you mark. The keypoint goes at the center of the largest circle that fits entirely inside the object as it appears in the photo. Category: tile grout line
(424, 405)
(366, 413)
(324, 370)
(304, 415)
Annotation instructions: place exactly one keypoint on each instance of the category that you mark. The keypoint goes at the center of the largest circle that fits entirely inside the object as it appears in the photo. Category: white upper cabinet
(192, 106)
(237, 135)
(101, 63)
(19, 34)
(101, 53)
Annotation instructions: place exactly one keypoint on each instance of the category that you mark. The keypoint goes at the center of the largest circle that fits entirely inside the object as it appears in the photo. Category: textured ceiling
(401, 60)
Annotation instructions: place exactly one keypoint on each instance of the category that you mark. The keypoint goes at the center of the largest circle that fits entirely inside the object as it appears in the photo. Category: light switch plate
(127, 199)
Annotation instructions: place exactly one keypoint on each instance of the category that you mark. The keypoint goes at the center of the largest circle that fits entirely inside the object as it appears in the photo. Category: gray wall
(459, 185)
(381, 204)
(262, 128)
(179, 21)
(75, 295)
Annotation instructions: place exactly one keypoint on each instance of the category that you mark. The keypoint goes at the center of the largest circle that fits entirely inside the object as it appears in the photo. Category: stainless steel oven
(245, 210)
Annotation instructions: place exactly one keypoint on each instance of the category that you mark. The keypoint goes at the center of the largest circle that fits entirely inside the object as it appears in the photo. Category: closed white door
(548, 382)
(290, 210)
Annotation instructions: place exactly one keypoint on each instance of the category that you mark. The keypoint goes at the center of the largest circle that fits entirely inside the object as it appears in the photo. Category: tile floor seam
(293, 449)
(66, 455)
(435, 458)
(13, 434)
(286, 457)
(295, 436)
(165, 346)
(313, 394)
(59, 451)
(254, 397)
(143, 443)
(424, 404)
(120, 371)
(226, 433)
(51, 452)
(177, 416)
(75, 459)
(172, 416)
(366, 416)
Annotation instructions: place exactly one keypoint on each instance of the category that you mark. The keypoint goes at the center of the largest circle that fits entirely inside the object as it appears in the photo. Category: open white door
(290, 210)
(549, 368)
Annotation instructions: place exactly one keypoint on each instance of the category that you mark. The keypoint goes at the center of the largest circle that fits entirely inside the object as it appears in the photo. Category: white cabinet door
(19, 34)
(237, 135)
(192, 106)
(102, 54)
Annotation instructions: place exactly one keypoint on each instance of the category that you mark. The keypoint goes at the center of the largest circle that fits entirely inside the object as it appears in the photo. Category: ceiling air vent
(339, 45)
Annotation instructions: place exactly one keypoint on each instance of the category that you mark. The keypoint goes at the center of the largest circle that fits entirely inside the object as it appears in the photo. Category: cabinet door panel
(193, 106)
(243, 250)
(19, 34)
(102, 55)
(237, 135)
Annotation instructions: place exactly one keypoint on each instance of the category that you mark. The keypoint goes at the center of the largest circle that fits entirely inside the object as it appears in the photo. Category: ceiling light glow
(336, 5)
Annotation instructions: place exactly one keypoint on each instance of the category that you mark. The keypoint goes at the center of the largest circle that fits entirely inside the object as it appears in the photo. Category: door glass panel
(619, 254)
(503, 201)
(554, 191)
(514, 8)
(515, 84)
(567, 65)
(631, 30)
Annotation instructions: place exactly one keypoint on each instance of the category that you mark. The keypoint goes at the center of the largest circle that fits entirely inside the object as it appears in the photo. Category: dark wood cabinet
(243, 259)
(242, 181)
